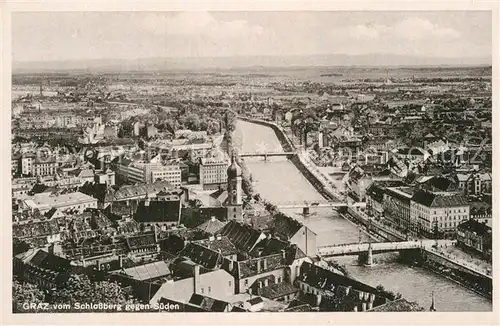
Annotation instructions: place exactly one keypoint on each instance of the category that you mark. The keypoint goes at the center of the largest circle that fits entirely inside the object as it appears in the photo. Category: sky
(55, 36)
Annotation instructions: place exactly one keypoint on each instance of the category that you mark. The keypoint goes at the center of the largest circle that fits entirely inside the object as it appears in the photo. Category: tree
(23, 293)
(80, 288)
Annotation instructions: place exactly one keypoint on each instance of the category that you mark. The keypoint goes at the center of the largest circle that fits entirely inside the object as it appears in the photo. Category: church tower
(234, 192)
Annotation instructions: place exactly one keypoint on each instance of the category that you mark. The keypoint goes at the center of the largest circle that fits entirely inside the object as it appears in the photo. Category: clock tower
(234, 192)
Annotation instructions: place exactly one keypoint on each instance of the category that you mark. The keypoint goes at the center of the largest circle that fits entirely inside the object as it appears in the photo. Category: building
(27, 161)
(330, 291)
(234, 202)
(438, 212)
(130, 193)
(42, 268)
(289, 229)
(474, 183)
(213, 172)
(162, 212)
(207, 303)
(45, 201)
(142, 172)
(413, 154)
(216, 284)
(375, 196)
(151, 131)
(105, 177)
(397, 207)
(475, 235)
(152, 272)
(142, 246)
(43, 232)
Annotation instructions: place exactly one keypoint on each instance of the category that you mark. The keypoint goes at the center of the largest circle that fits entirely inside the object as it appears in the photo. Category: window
(246, 282)
(229, 283)
(202, 290)
(209, 289)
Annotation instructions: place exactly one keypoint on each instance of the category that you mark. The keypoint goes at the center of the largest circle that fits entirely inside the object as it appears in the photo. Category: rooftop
(432, 199)
(148, 271)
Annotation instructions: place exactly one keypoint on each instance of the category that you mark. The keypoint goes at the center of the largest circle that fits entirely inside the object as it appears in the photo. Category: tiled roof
(223, 244)
(243, 236)
(211, 226)
(284, 226)
(142, 290)
(100, 221)
(249, 267)
(255, 301)
(431, 199)
(475, 226)
(32, 230)
(141, 241)
(397, 306)
(277, 290)
(327, 280)
(201, 255)
(377, 189)
(303, 307)
(440, 184)
(208, 304)
(120, 208)
(158, 211)
(269, 246)
(141, 190)
(45, 260)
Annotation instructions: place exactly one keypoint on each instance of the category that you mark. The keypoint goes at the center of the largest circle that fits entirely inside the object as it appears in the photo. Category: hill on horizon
(159, 64)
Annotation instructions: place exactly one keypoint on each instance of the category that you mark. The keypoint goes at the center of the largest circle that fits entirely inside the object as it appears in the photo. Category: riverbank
(287, 145)
(450, 270)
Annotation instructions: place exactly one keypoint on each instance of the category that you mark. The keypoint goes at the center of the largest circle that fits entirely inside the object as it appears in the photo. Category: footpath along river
(278, 180)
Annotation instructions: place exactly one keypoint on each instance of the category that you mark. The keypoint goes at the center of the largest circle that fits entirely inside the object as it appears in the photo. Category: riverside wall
(295, 159)
(468, 278)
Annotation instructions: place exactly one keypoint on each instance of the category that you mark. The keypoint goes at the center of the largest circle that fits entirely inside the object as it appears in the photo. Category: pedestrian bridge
(266, 154)
(317, 203)
(377, 247)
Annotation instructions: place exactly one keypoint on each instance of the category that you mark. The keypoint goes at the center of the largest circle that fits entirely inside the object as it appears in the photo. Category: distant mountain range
(162, 64)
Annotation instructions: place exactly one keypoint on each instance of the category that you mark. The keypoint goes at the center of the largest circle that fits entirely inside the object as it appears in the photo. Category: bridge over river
(317, 203)
(377, 247)
(280, 182)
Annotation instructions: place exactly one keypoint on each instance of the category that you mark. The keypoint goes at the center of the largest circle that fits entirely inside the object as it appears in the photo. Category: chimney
(120, 261)
(211, 238)
(283, 253)
(219, 236)
(212, 219)
(196, 278)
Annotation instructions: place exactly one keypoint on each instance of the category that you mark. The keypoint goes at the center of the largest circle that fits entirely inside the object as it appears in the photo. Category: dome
(234, 170)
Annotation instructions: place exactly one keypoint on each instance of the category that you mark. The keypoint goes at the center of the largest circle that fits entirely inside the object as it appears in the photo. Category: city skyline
(68, 36)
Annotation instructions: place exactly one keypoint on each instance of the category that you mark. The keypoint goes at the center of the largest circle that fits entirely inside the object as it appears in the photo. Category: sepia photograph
(251, 161)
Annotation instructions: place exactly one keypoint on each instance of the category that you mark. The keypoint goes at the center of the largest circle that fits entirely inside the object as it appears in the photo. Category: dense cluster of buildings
(161, 210)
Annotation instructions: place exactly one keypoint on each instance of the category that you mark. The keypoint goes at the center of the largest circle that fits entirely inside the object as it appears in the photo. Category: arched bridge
(377, 247)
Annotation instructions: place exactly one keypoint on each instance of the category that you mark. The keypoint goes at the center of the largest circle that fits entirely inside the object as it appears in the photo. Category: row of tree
(78, 289)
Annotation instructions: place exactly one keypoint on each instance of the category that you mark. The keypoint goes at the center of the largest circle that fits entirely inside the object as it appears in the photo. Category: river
(278, 181)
